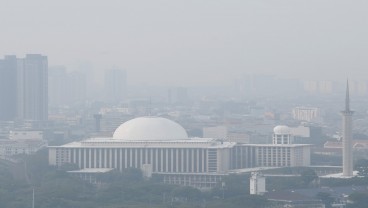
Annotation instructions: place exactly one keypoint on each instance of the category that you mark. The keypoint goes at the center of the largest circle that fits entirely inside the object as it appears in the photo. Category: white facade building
(306, 114)
(159, 142)
(164, 147)
(26, 135)
(22, 142)
(257, 184)
(9, 148)
(282, 135)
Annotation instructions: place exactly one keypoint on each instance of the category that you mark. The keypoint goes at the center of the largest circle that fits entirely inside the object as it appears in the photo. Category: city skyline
(193, 43)
(163, 103)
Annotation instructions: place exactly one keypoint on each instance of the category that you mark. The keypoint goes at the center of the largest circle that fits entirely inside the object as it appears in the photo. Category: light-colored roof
(276, 145)
(114, 143)
(339, 175)
(281, 130)
(358, 144)
(92, 170)
(150, 129)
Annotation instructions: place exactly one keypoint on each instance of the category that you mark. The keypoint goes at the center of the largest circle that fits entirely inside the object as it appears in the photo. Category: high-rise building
(347, 130)
(178, 95)
(77, 87)
(8, 88)
(115, 85)
(32, 88)
(359, 87)
(66, 88)
(24, 87)
(323, 87)
(58, 86)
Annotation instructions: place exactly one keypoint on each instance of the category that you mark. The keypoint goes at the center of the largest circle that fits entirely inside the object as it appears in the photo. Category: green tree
(307, 176)
(362, 167)
(326, 198)
(360, 200)
(187, 193)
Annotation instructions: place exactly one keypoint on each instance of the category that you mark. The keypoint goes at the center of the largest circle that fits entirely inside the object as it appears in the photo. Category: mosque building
(160, 146)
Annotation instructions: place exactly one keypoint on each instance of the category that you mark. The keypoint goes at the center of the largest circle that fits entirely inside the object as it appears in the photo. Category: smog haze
(193, 42)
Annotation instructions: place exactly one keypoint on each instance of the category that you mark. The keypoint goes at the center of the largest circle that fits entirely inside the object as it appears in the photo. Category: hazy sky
(193, 41)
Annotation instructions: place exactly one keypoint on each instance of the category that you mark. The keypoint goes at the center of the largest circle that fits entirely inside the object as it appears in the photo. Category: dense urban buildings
(8, 88)
(22, 142)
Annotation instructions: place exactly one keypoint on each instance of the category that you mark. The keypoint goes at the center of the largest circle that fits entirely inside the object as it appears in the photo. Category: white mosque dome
(150, 128)
(281, 130)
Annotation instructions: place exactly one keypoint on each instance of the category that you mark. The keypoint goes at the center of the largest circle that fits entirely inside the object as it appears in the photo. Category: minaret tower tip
(347, 130)
(347, 97)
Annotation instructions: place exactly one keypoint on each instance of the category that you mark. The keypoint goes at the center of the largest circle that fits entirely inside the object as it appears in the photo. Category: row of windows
(274, 157)
(243, 157)
(162, 159)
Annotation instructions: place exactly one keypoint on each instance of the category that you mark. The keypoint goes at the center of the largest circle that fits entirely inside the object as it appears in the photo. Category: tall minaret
(347, 126)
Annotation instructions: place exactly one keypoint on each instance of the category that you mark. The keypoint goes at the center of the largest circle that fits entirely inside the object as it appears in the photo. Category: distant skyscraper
(358, 87)
(115, 85)
(314, 86)
(8, 88)
(347, 129)
(66, 88)
(32, 88)
(178, 95)
(23, 88)
(58, 86)
(77, 87)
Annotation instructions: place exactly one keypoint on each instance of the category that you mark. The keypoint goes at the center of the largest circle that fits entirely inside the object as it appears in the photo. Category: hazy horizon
(193, 42)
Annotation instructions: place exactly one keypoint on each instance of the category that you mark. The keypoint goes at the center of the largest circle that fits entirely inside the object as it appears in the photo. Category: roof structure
(150, 129)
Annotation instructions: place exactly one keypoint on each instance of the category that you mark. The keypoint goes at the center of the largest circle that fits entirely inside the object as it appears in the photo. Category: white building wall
(306, 156)
(52, 156)
(306, 113)
(257, 184)
(19, 135)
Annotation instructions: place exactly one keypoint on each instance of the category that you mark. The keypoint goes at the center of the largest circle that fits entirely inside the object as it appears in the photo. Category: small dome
(281, 130)
(150, 128)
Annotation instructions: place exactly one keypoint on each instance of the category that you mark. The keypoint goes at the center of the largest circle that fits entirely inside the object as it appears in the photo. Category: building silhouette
(58, 86)
(24, 86)
(115, 85)
(8, 88)
(32, 87)
(66, 88)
